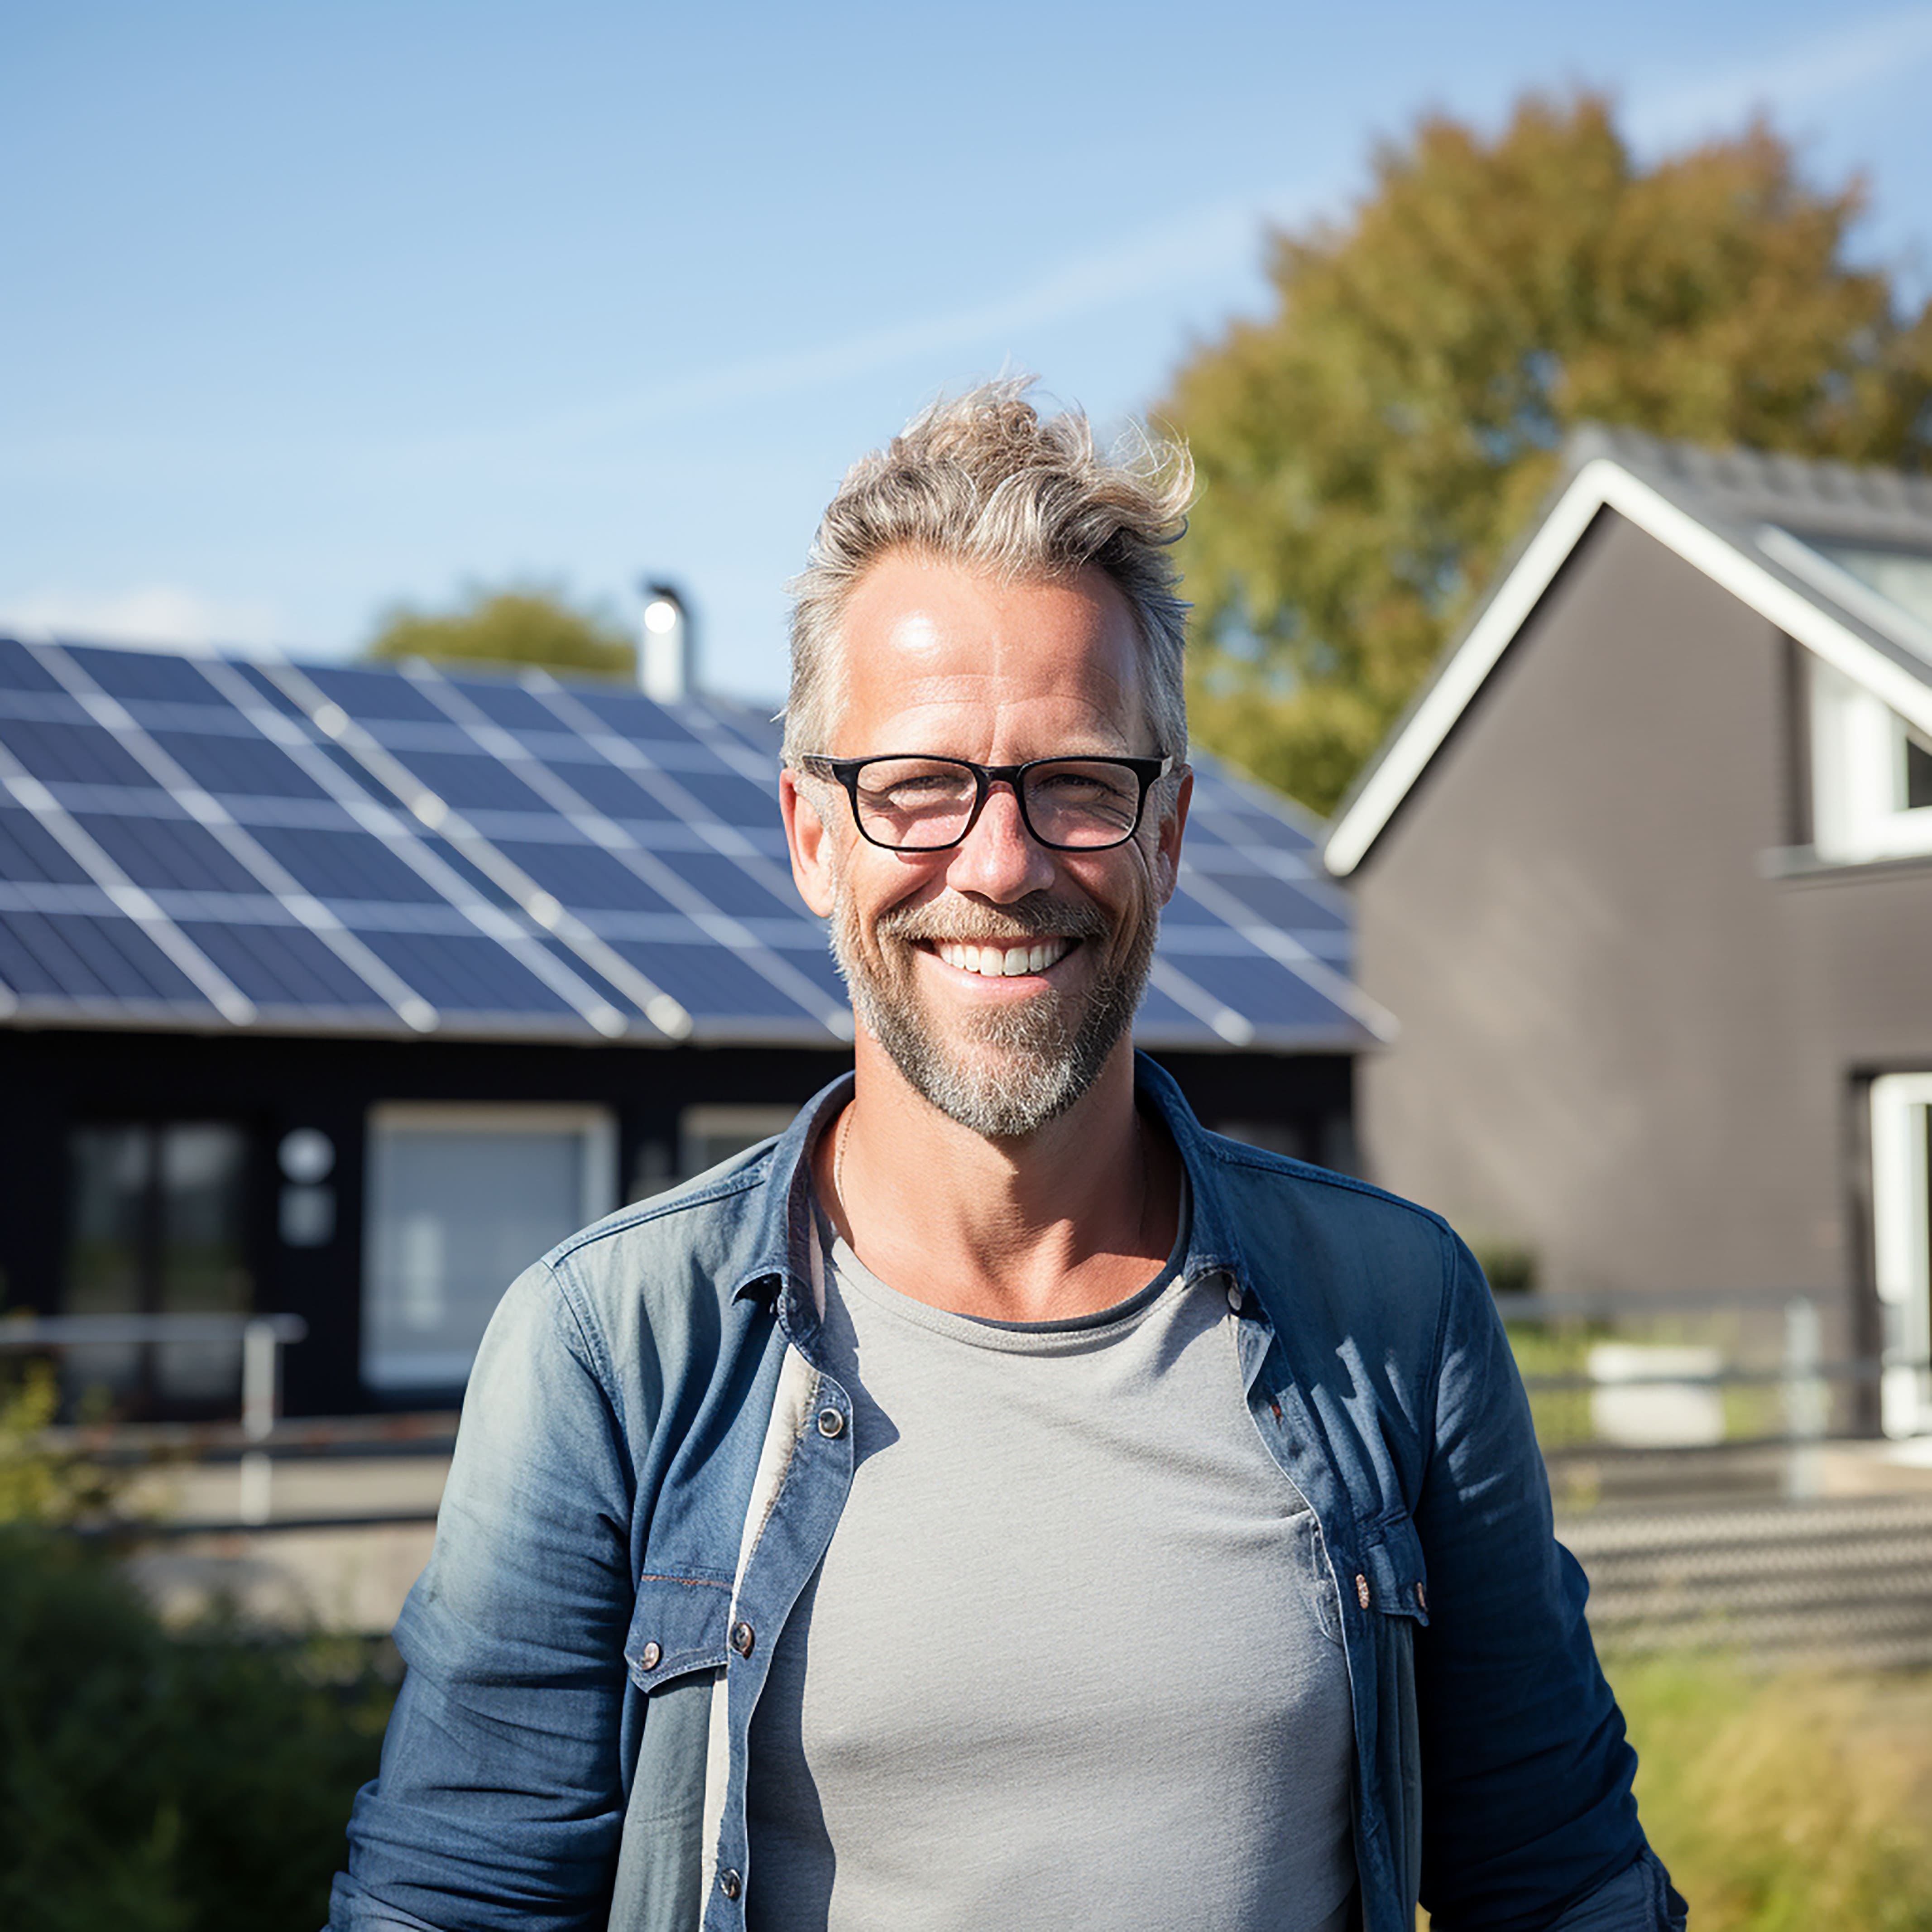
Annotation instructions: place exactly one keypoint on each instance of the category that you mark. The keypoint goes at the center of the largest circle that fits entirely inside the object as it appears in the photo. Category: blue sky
(309, 309)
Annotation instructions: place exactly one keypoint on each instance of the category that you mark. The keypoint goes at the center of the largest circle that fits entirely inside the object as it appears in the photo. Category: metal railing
(262, 1337)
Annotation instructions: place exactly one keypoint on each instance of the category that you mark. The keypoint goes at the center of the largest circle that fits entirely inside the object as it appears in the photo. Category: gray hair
(983, 480)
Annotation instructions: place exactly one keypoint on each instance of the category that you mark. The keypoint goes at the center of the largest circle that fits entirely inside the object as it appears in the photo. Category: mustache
(1037, 915)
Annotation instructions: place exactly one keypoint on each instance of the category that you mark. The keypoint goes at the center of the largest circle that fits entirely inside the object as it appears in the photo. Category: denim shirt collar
(781, 1255)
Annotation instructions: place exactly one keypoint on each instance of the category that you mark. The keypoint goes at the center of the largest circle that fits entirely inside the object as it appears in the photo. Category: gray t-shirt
(1072, 1657)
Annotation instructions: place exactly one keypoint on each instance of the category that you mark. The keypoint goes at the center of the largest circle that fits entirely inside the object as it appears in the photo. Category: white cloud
(163, 616)
(1204, 244)
(1822, 68)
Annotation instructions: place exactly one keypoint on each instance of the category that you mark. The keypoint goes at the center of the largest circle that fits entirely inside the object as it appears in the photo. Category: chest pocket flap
(1393, 1578)
(677, 1626)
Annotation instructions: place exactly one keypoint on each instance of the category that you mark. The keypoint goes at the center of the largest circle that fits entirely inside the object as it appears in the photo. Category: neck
(1070, 1220)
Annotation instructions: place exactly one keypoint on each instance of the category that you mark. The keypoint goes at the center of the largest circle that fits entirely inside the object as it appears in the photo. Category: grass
(1786, 1802)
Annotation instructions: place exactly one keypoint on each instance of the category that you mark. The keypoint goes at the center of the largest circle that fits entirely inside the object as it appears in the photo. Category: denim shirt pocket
(1391, 1576)
(677, 1627)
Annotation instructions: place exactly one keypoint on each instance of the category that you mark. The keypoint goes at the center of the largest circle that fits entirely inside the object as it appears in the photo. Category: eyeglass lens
(922, 804)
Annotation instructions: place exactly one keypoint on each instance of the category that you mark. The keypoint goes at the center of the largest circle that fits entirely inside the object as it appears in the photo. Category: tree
(522, 624)
(1369, 451)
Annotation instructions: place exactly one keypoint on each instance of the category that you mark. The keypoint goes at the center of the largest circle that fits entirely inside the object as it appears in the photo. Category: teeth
(994, 962)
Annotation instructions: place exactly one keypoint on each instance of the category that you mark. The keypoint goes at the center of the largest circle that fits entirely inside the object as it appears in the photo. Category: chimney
(665, 654)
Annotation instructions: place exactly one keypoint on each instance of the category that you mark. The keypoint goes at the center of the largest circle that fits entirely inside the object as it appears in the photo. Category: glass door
(158, 1214)
(1901, 1139)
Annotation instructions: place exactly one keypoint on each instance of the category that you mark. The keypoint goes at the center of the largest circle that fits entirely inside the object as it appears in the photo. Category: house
(1646, 874)
(345, 992)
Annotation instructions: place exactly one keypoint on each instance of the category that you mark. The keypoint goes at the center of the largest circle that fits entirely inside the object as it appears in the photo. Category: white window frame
(596, 1127)
(718, 1121)
(1858, 812)
(1902, 1247)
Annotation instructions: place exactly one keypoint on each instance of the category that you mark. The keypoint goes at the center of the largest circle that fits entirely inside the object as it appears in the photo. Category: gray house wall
(1623, 1042)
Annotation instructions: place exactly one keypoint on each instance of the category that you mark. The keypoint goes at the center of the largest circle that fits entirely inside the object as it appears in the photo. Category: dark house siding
(57, 1080)
(1623, 1042)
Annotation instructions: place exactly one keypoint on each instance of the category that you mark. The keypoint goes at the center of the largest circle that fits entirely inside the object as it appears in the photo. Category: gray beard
(1040, 1057)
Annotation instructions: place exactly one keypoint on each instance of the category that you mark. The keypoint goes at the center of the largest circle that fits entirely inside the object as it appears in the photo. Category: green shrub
(153, 1781)
(1789, 1802)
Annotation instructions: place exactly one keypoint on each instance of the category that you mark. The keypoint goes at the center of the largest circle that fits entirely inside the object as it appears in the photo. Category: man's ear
(1173, 823)
(808, 839)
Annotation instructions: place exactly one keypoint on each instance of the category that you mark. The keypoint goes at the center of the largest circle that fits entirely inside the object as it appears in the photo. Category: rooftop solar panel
(727, 886)
(21, 670)
(165, 854)
(370, 694)
(730, 799)
(584, 876)
(471, 782)
(517, 913)
(88, 957)
(466, 975)
(31, 854)
(144, 674)
(1267, 995)
(71, 753)
(347, 864)
(284, 966)
(712, 983)
(616, 793)
(505, 704)
(235, 766)
(631, 715)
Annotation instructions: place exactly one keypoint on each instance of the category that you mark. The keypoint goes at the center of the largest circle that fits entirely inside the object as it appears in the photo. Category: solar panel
(167, 854)
(615, 793)
(144, 674)
(471, 782)
(505, 703)
(709, 982)
(518, 911)
(345, 864)
(631, 715)
(465, 974)
(727, 885)
(584, 876)
(281, 966)
(71, 753)
(21, 670)
(237, 767)
(732, 799)
(30, 854)
(88, 957)
(372, 694)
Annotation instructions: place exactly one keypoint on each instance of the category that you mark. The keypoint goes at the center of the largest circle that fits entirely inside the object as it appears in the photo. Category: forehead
(931, 647)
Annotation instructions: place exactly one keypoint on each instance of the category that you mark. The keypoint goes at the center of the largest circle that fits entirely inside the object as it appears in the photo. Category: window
(158, 1224)
(1871, 774)
(461, 1201)
(1902, 1215)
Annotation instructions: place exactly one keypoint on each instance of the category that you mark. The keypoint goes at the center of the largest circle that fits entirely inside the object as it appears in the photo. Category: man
(999, 1503)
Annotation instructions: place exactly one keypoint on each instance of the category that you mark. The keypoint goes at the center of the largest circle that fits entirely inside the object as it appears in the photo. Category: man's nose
(999, 859)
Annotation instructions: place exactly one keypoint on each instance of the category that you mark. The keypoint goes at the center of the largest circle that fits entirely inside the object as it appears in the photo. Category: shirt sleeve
(1528, 1816)
(499, 1802)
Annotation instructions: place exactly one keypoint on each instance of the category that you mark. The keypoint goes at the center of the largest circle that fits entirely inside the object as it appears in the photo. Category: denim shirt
(653, 1460)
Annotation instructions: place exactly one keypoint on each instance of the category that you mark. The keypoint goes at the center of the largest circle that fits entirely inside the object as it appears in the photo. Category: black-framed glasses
(910, 804)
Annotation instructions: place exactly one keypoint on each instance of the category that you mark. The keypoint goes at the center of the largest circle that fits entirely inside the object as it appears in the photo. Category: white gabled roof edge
(1602, 483)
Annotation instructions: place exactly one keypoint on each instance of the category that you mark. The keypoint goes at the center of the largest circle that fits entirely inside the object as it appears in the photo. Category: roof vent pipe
(664, 645)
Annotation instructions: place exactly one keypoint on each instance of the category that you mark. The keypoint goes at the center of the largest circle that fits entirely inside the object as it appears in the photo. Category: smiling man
(999, 1503)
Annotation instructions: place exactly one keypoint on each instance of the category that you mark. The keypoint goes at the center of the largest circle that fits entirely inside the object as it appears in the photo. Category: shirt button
(830, 1424)
(742, 1638)
(730, 1884)
(1235, 1296)
(652, 1653)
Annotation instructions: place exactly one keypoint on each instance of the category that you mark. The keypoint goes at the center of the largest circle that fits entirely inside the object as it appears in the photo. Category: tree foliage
(522, 624)
(1369, 451)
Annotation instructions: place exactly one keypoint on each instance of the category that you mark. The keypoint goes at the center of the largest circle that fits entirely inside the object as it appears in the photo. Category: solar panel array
(200, 842)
